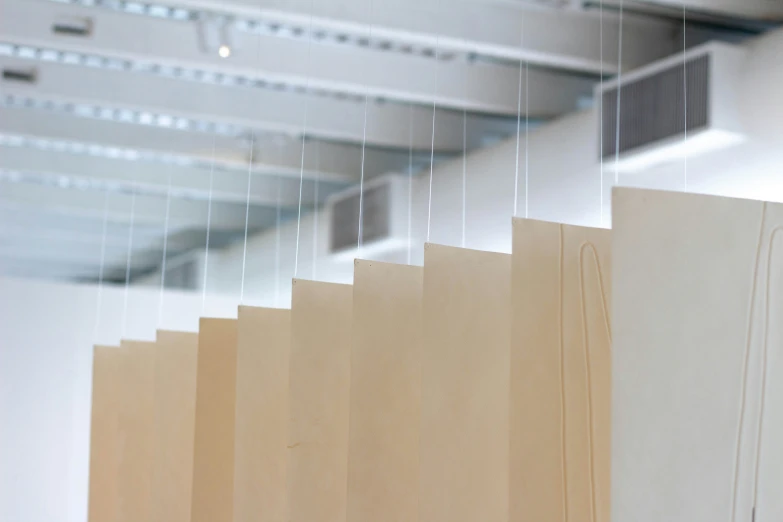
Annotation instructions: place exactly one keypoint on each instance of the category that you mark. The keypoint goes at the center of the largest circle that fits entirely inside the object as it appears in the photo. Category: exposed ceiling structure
(167, 118)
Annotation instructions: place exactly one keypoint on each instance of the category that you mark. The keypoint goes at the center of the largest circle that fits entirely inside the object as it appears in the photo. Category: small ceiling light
(224, 51)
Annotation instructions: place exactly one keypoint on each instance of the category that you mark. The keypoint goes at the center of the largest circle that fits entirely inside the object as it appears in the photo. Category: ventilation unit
(384, 209)
(653, 106)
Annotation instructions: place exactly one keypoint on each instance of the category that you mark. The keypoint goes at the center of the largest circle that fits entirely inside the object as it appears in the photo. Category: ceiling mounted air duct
(700, 86)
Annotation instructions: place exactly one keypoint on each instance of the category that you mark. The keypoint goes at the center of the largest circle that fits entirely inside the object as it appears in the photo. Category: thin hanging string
(434, 112)
(519, 127)
(410, 182)
(165, 251)
(247, 203)
(278, 211)
(315, 208)
(464, 165)
(304, 136)
(527, 141)
(685, 97)
(601, 106)
(99, 299)
(464, 175)
(209, 224)
(360, 233)
(247, 215)
(619, 96)
(128, 264)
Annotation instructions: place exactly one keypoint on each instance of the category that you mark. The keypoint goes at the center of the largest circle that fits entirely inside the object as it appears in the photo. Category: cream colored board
(104, 433)
(175, 412)
(698, 387)
(213, 456)
(465, 386)
(560, 373)
(137, 432)
(383, 474)
(319, 401)
(261, 415)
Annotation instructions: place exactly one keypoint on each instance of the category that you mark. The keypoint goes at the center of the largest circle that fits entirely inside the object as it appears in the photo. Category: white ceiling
(138, 129)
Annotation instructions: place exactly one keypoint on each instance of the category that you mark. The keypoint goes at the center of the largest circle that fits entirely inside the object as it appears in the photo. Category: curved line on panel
(600, 276)
(586, 343)
(746, 357)
(562, 388)
(764, 366)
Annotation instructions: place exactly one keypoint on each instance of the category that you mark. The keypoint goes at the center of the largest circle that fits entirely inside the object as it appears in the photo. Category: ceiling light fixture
(276, 28)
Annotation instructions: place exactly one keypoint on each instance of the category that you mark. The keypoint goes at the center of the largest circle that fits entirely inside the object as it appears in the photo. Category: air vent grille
(376, 218)
(71, 26)
(19, 75)
(652, 108)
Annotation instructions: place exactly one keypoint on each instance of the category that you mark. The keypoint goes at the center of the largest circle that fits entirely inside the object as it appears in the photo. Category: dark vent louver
(71, 26)
(375, 217)
(652, 108)
(19, 75)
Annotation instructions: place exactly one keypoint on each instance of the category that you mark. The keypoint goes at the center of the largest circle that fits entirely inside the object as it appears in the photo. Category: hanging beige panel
(383, 474)
(175, 412)
(698, 365)
(261, 415)
(465, 386)
(137, 432)
(560, 373)
(107, 366)
(213, 456)
(319, 401)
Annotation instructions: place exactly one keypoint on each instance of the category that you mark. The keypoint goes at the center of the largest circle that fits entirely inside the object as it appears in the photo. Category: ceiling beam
(245, 109)
(148, 210)
(15, 266)
(317, 66)
(69, 252)
(553, 37)
(39, 221)
(194, 183)
(334, 162)
(764, 10)
(10, 233)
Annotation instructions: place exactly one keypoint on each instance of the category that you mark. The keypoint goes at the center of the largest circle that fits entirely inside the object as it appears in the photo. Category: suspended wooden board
(261, 415)
(383, 472)
(175, 412)
(465, 386)
(213, 457)
(108, 363)
(137, 432)
(319, 401)
(698, 387)
(560, 373)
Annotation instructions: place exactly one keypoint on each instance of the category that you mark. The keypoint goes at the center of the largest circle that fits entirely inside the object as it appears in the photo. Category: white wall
(46, 336)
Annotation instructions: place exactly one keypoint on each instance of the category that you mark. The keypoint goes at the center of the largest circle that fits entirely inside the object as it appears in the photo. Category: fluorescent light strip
(181, 73)
(266, 27)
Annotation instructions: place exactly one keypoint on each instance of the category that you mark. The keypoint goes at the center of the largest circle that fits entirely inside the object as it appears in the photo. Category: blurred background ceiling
(150, 117)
